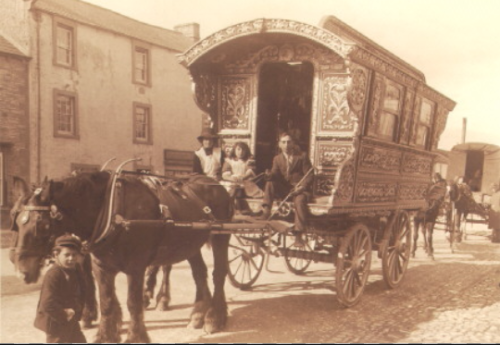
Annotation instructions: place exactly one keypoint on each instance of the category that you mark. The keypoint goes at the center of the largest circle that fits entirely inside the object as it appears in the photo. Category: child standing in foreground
(61, 298)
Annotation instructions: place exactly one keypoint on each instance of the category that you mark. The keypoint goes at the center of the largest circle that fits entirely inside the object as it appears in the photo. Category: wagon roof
(486, 148)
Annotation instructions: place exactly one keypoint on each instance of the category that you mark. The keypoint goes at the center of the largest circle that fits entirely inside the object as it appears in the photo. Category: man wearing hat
(208, 160)
(61, 299)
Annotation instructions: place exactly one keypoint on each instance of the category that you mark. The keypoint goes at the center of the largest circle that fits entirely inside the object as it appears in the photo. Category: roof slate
(105, 19)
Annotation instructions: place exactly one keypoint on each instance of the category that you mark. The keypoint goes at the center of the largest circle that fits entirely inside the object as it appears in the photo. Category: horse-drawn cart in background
(367, 119)
(477, 164)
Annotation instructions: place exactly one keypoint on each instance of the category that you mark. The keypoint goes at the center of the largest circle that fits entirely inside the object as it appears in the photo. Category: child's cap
(69, 241)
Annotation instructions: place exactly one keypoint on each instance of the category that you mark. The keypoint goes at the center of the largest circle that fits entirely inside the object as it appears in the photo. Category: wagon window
(389, 117)
(424, 123)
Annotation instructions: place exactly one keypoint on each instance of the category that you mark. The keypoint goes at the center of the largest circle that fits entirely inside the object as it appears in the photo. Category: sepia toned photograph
(255, 171)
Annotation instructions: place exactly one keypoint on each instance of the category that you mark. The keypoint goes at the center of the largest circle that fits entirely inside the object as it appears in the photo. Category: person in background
(289, 168)
(61, 299)
(494, 214)
(208, 159)
(239, 170)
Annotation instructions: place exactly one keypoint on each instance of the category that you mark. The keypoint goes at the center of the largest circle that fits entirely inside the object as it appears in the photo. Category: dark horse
(426, 218)
(39, 220)
(464, 204)
(78, 203)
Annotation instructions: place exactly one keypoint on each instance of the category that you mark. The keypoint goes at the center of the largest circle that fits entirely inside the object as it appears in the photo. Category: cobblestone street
(455, 298)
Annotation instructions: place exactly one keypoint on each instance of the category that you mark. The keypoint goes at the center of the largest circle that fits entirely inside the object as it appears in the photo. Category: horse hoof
(196, 321)
(162, 306)
(215, 321)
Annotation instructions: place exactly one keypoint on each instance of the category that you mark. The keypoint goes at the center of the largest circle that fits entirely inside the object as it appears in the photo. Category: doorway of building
(284, 104)
(474, 163)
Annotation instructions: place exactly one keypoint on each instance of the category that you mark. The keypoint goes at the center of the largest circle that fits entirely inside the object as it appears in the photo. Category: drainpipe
(39, 102)
(464, 129)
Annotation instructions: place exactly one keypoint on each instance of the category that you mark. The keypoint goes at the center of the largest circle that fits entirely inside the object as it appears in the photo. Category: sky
(455, 43)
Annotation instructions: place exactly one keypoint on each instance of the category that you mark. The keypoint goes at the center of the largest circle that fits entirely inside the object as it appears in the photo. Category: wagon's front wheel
(297, 253)
(353, 264)
(396, 253)
(245, 261)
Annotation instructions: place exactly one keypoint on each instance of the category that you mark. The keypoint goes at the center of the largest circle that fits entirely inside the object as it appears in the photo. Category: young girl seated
(239, 170)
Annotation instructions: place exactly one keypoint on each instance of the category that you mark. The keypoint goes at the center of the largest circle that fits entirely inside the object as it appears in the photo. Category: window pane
(65, 113)
(142, 124)
(392, 96)
(141, 65)
(422, 132)
(426, 113)
(388, 123)
(64, 45)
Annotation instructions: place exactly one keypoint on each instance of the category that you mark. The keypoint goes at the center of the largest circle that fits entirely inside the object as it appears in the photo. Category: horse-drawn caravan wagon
(367, 119)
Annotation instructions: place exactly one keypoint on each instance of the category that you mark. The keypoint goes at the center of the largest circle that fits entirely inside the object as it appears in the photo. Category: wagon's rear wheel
(296, 252)
(353, 264)
(245, 261)
(396, 253)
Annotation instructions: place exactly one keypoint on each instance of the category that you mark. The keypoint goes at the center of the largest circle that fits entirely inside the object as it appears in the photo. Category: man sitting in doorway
(291, 173)
(208, 159)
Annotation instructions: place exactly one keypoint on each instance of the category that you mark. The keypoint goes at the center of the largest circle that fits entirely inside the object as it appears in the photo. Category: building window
(64, 44)
(65, 114)
(141, 65)
(142, 124)
(424, 123)
(391, 112)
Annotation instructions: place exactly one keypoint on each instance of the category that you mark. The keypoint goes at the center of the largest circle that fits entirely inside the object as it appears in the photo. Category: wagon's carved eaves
(322, 36)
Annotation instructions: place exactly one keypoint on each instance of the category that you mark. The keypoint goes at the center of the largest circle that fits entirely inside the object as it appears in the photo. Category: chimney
(191, 30)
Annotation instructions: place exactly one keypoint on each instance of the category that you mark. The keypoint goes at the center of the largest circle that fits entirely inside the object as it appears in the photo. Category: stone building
(94, 85)
(14, 122)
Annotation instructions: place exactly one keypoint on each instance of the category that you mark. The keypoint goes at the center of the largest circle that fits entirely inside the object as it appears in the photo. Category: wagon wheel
(245, 261)
(396, 252)
(297, 264)
(353, 264)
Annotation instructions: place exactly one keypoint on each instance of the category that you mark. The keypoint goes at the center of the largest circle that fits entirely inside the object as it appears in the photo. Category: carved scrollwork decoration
(442, 116)
(357, 91)
(374, 118)
(336, 115)
(333, 156)
(377, 192)
(345, 187)
(416, 117)
(205, 92)
(406, 120)
(235, 100)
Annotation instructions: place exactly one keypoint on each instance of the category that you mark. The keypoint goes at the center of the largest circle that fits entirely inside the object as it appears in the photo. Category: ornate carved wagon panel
(374, 192)
(377, 159)
(235, 102)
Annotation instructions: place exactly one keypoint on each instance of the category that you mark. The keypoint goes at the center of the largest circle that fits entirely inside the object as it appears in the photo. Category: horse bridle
(55, 215)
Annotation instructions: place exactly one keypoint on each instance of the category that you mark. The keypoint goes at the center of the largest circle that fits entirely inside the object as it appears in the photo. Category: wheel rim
(353, 265)
(245, 261)
(396, 255)
(297, 265)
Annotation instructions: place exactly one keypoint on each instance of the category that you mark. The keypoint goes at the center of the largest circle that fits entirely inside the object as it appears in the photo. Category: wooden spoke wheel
(353, 264)
(396, 252)
(296, 248)
(245, 261)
